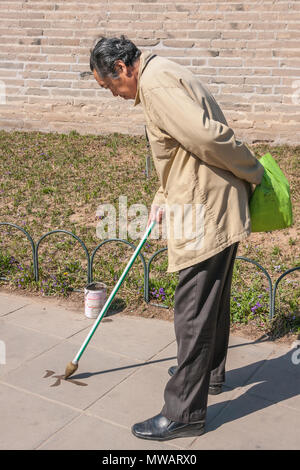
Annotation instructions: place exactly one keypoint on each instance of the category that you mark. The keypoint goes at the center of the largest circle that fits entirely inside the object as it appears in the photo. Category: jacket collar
(145, 58)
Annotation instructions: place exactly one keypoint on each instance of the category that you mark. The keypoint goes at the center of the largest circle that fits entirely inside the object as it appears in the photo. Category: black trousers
(202, 324)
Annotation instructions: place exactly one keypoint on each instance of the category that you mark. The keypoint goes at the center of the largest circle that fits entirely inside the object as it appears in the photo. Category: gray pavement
(121, 379)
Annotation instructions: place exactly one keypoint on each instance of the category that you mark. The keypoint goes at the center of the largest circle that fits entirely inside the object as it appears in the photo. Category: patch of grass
(58, 181)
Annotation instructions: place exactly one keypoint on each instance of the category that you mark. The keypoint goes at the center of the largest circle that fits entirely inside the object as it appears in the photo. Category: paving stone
(278, 379)
(50, 319)
(121, 379)
(244, 358)
(10, 303)
(21, 345)
(137, 338)
(90, 433)
(98, 372)
(251, 422)
(27, 420)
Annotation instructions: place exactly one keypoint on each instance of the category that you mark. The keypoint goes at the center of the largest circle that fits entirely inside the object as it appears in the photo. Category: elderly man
(201, 166)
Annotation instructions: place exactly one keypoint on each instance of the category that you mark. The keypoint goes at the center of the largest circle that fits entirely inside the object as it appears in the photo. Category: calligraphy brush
(73, 365)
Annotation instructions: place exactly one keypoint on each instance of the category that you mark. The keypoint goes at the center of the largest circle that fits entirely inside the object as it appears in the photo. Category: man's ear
(121, 68)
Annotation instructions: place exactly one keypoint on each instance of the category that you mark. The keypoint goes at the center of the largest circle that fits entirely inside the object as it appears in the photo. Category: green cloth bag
(270, 204)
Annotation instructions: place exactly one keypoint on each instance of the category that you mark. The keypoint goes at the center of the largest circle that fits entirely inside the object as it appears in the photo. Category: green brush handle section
(113, 293)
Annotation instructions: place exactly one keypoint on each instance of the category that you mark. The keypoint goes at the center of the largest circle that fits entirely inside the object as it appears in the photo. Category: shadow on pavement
(132, 366)
(279, 380)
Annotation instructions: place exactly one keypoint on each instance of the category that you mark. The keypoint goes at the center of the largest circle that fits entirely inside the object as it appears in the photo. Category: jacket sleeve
(175, 112)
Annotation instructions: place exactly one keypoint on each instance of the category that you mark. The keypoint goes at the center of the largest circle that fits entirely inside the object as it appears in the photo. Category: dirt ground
(279, 237)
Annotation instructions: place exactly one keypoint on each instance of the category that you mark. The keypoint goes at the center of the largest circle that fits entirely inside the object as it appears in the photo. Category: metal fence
(146, 266)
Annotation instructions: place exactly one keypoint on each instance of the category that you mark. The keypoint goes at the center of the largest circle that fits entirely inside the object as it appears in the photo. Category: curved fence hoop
(238, 257)
(28, 237)
(90, 260)
(68, 233)
(267, 276)
(276, 285)
(126, 243)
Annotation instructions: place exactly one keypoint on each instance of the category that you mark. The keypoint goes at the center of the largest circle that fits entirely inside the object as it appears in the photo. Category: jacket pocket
(185, 217)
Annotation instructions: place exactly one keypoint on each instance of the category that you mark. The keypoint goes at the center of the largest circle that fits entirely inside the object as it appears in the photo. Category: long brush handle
(113, 293)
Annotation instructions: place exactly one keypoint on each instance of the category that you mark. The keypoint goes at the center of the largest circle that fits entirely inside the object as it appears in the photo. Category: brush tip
(70, 369)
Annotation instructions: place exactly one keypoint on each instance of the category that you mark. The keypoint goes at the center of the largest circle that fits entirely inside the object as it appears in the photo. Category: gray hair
(107, 51)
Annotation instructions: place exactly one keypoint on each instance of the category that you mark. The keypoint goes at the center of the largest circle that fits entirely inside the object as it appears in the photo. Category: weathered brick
(37, 91)
(177, 43)
(66, 59)
(247, 53)
(222, 62)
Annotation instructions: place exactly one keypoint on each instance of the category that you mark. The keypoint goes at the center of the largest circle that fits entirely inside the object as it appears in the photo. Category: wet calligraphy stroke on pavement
(59, 378)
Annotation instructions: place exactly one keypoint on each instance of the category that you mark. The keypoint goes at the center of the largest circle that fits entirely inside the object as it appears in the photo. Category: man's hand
(156, 213)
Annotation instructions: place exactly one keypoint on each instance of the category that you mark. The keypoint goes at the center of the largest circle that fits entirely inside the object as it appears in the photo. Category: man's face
(125, 85)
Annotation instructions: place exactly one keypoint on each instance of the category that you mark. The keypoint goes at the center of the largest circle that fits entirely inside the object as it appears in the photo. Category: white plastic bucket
(94, 299)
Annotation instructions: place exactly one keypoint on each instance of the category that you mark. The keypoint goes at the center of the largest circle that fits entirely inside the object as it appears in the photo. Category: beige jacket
(205, 173)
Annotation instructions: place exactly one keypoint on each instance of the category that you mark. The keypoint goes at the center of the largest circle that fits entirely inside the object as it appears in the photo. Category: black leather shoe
(160, 428)
(212, 390)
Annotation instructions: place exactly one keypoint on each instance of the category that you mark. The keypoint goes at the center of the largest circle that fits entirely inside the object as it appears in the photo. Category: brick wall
(247, 52)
